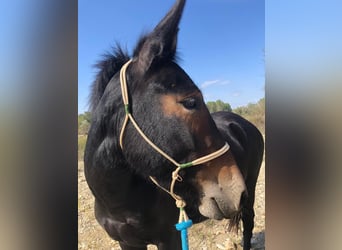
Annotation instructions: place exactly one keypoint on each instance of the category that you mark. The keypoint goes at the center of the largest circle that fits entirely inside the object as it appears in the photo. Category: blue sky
(221, 43)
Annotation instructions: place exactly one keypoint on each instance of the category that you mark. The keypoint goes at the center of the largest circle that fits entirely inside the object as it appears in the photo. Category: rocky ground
(209, 235)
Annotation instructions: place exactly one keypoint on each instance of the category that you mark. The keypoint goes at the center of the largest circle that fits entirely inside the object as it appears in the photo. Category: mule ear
(161, 43)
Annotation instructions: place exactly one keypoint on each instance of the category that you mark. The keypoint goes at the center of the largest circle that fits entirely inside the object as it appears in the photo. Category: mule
(169, 109)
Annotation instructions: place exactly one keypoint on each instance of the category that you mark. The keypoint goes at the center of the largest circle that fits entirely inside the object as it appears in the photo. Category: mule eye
(189, 103)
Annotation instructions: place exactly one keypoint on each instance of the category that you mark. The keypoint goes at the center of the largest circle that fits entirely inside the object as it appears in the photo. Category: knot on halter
(176, 176)
(180, 203)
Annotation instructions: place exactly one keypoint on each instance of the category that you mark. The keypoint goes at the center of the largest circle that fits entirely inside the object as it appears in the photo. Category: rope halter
(184, 221)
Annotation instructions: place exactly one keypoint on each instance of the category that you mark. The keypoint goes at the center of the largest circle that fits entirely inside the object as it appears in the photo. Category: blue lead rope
(183, 228)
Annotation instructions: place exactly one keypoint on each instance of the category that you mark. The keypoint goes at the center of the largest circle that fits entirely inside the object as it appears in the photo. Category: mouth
(234, 217)
(216, 209)
(219, 215)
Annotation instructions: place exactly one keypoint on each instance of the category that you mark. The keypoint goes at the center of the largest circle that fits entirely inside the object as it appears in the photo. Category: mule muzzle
(223, 191)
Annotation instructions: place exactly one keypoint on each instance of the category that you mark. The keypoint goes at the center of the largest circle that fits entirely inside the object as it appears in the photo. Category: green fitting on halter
(127, 108)
(186, 165)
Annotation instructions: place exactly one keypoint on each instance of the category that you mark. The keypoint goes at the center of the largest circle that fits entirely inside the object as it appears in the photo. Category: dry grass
(82, 139)
(205, 236)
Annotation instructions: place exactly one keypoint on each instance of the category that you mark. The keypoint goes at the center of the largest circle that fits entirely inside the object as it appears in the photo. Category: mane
(107, 68)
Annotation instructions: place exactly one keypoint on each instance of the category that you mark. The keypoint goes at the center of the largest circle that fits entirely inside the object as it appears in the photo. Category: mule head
(170, 110)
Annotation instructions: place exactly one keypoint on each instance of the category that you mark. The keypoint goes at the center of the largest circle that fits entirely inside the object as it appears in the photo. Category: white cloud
(209, 83)
(214, 82)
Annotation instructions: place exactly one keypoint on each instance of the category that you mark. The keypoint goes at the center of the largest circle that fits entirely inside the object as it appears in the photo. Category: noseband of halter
(180, 203)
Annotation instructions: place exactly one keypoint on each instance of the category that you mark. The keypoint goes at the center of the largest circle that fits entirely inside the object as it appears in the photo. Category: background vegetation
(218, 106)
(84, 123)
(253, 112)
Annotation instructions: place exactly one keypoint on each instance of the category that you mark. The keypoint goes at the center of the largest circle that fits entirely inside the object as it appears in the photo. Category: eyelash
(189, 103)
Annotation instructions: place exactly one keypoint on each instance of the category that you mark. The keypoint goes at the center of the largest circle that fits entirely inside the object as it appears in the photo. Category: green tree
(84, 123)
(254, 112)
(218, 105)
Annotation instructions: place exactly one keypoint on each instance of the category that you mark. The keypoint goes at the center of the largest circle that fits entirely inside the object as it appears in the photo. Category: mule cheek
(221, 188)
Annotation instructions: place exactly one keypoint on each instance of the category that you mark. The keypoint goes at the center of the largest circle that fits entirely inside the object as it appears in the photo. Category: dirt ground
(209, 235)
